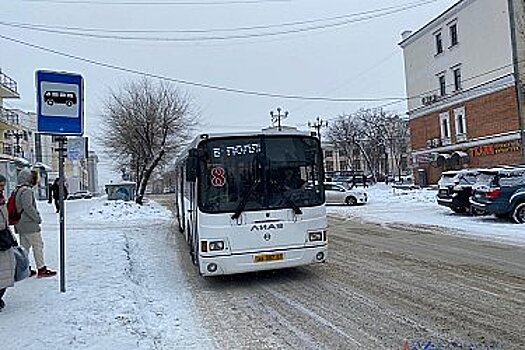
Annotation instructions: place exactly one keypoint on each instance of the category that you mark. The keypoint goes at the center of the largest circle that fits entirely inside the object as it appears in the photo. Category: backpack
(13, 216)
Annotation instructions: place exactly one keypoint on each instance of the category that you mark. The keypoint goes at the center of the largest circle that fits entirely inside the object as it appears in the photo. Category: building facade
(461, 87)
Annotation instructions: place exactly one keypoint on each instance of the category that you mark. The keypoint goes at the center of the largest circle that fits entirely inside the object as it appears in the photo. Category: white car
(337, 193)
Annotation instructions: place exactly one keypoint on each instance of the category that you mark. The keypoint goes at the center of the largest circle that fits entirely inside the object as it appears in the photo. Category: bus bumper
(254, 261)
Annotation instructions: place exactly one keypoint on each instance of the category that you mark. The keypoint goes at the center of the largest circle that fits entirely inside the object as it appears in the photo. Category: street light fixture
(276, 117)
(317, 125)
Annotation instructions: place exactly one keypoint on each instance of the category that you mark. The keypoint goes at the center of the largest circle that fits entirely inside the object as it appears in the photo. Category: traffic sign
(60, 103)
(76, 148)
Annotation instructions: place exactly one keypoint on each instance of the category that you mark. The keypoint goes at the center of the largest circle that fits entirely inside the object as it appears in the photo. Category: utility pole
(317, 125)
(517, 77)
(276, 117)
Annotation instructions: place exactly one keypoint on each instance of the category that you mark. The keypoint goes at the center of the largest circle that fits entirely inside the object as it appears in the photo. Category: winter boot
(45, 272)
(31, 272)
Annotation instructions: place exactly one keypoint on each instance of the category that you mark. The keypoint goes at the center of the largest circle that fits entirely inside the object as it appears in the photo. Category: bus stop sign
(60, 103)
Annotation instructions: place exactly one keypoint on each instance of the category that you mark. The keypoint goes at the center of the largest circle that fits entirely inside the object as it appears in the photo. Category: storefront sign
(496, 148)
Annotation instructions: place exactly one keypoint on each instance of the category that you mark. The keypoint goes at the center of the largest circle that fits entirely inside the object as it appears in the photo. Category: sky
(354, 56)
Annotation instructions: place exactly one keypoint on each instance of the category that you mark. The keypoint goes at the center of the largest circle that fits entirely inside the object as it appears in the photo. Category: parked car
(80, 195)
(455, 190)
(338, 193)
(501, 192)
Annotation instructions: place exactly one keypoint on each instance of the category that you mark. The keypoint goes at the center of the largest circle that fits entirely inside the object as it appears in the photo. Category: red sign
(218, 177)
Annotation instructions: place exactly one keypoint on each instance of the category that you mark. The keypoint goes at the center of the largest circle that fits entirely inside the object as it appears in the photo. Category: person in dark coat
(7, 257)
(364, 181)
(54, 195)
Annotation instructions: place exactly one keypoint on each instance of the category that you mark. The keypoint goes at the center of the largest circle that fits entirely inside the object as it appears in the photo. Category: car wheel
(69, 103)
(351, 200)
(49, 102)
(477, 212)
(518, 215)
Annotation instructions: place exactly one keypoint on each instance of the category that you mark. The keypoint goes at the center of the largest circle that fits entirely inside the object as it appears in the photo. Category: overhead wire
(193, 83)
(158, 3)
(225, 37)
(391, 100)
(232, 29)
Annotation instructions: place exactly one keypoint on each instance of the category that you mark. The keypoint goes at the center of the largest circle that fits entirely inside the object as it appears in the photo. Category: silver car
(337, 193)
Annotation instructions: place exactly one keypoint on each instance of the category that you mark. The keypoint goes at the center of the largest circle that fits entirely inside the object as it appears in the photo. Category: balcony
(8, 117)
(8, 87)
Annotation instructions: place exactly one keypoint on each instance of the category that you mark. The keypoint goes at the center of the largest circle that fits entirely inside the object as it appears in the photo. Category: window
(442, 85)
(445, 127)
(439, 43)
(453, 34)
(461, 123)
(457, 78)
(328, 154)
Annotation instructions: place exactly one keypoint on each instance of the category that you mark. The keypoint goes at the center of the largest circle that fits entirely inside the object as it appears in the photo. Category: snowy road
(383, 284)
(131, 285)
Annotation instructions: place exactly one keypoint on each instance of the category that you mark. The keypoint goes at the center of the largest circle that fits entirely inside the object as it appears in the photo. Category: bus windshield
(259, 173)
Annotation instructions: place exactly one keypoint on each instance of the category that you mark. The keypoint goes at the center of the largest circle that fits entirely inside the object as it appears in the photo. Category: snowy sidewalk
(419, 207)
(125, 289)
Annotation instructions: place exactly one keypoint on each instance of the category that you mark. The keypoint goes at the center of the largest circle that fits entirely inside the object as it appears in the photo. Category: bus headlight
(315, 236)
(216, 245)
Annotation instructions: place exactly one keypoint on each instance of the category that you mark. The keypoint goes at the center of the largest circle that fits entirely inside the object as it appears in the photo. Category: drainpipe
(517, 77)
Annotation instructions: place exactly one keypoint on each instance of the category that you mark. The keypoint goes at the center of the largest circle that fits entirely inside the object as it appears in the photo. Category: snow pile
(119, 210)
(125, 287)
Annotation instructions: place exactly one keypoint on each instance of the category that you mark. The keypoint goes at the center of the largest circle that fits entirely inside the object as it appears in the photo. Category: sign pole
(61, 149)
(60, 112)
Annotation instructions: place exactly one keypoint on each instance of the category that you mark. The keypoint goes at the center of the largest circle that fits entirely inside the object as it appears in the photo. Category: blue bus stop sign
(60, 103)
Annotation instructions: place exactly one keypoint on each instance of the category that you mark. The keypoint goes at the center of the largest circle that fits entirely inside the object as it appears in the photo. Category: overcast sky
(348, 57)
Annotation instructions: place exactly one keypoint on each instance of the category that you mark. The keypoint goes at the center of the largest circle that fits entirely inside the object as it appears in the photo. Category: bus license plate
(268, 257)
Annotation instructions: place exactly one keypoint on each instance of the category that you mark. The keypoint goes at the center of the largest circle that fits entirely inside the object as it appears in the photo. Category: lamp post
(317, 125)
(276, 117)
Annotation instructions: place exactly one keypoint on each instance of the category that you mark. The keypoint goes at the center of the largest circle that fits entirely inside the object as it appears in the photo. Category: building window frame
(460, 119)
(456, 73)
(442, 82)
(438, 41)
(453, 33)
(444, 124)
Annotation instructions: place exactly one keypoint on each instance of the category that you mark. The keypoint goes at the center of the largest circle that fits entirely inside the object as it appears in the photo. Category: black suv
(455, 189)
(501, 192)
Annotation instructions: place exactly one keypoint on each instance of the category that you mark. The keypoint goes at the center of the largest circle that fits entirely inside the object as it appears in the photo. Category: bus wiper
(294, 206)
(244, 200)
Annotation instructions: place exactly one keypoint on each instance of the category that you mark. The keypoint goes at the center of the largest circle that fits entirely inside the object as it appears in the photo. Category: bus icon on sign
(60, 97)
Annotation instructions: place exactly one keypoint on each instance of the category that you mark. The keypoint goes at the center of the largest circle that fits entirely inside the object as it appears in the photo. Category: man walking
(28, 227)
(55, 194)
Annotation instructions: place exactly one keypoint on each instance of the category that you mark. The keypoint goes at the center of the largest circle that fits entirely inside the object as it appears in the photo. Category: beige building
(460, 81)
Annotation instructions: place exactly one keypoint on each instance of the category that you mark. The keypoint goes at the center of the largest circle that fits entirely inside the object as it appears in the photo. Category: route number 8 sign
(218, 177)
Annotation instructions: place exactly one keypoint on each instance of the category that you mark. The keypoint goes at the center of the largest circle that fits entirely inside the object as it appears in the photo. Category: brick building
(461, 87)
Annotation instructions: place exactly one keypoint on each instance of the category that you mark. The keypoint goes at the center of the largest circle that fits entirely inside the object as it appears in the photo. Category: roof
(441, 17)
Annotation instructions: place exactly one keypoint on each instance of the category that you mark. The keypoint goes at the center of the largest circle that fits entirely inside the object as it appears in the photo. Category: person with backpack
(28, 225)
(7, 255)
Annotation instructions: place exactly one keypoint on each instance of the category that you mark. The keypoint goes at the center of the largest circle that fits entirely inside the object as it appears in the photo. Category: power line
(393, 100)
(233, 29)
(228, 37)
(159, 3)
(196, 84)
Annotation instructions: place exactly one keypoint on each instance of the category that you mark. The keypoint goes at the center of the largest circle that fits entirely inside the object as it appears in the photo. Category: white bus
(252, 201)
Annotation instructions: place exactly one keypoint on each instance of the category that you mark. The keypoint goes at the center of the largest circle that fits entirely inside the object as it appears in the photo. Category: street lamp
(276, 117)
(317, 125)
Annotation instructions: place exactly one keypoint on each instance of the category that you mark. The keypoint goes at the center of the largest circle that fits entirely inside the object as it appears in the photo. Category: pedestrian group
(14, 262)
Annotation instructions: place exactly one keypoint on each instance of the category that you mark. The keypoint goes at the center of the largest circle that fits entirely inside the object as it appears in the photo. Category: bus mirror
(191, 165)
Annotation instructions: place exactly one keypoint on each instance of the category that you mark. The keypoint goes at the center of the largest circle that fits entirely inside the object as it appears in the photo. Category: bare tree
(147, 123)
(372, 134)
